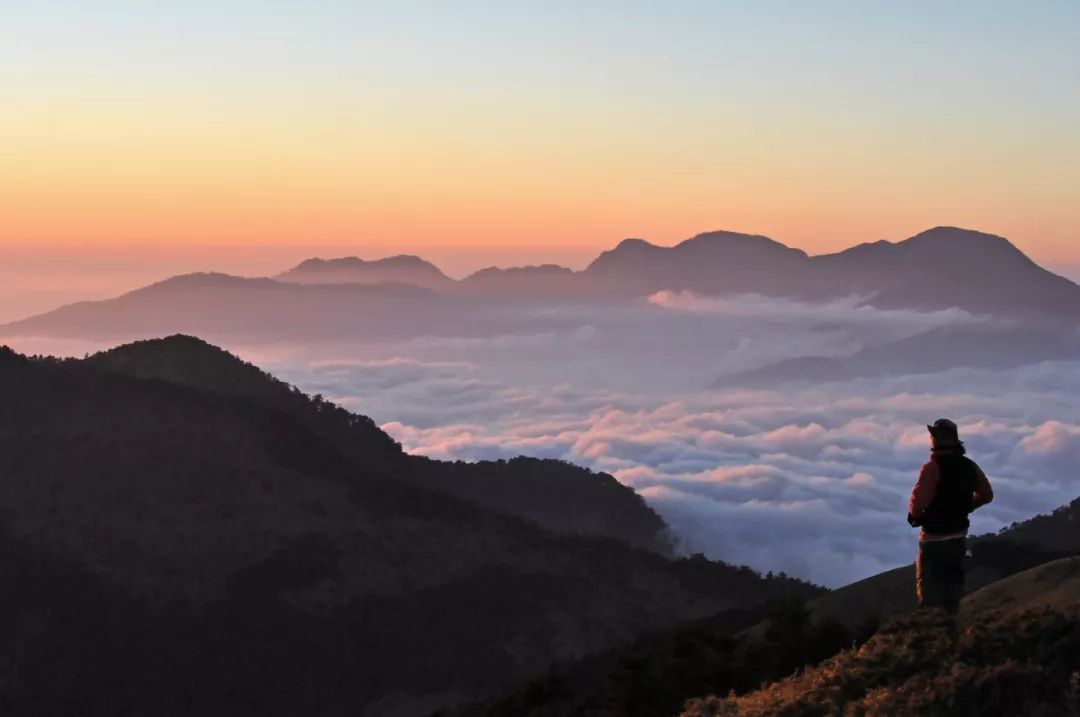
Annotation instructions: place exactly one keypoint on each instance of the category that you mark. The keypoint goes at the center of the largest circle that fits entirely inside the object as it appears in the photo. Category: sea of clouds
(809, 479)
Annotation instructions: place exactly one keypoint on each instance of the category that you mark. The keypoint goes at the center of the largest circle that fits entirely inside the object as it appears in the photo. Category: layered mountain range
(939, 269)
(943, 267)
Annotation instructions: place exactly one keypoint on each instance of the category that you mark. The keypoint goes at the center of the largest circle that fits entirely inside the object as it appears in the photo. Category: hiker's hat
(944, 431)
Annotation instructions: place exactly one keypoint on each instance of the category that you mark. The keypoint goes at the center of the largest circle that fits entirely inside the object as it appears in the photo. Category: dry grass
(1018, 663)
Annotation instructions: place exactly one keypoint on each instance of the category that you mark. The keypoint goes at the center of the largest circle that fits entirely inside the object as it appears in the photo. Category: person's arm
(983, 492)
(923, 493)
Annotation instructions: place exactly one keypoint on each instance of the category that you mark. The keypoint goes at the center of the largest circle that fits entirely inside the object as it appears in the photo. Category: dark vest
(948, 511)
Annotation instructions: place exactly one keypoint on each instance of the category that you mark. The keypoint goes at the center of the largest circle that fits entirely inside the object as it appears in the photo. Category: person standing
(949, 488)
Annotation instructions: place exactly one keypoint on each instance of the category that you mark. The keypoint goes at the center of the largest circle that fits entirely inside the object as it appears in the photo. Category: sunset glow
(495, 125)
(486, 358)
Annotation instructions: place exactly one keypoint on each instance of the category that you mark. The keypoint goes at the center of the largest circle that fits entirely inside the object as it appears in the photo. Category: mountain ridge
(228, 555)
(398, 269)
(976, 345)
(940, 268)
(557, 496)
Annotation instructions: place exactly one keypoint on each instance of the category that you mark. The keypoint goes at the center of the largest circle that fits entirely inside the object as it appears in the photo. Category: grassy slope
(1015, 650)
(993, 557)
(655, 675)
(1055, 585)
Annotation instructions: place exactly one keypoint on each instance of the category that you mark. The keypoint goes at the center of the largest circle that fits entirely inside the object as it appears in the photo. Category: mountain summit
(948, 267)
(713, 262)
(401, 269)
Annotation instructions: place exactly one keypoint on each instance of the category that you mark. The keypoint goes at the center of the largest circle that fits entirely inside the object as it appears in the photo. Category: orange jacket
(926, 488)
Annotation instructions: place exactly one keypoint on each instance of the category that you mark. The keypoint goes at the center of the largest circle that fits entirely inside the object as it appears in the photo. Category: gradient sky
(547, 124)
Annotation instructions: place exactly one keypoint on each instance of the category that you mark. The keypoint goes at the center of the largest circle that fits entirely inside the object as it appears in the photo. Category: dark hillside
(555, 495)
(1017, 568)
(176, 550)
(656, 674)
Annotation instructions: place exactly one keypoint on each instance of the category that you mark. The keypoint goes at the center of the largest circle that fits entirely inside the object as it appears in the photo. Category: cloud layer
(809, 479)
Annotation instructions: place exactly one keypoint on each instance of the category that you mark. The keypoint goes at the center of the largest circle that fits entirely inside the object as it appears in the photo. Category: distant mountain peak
(727, 235)
(537, 269)
(410, 260)
(546, 280)
(724, 238)
(945, 236)
(955, 242)
(944, 240)
(717, 239)
(633, 243)
(206, 279)
(737, 262)
(402, 268)
(946, 232)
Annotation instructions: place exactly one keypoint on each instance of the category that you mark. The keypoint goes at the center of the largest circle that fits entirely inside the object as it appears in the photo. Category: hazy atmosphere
(808, 477)
(487, 359)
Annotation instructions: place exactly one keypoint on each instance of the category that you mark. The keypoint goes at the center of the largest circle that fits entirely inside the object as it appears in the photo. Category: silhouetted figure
(949, 488)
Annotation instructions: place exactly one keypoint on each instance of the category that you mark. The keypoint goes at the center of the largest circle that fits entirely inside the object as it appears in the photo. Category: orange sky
(558, 130)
